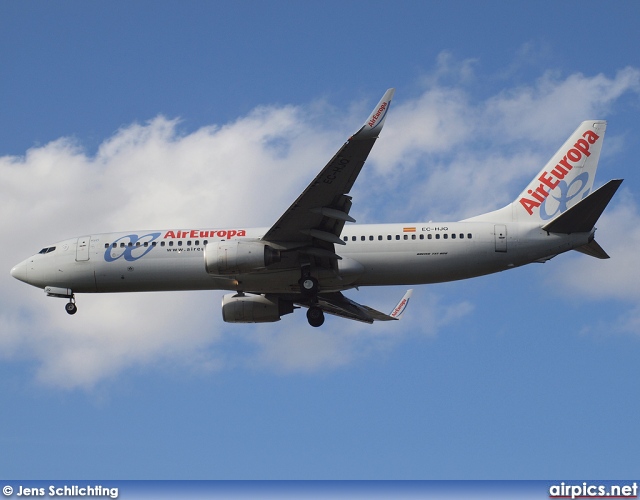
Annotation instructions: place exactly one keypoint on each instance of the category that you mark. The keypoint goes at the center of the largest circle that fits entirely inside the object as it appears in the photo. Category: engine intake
(241, 308)
(237, 257)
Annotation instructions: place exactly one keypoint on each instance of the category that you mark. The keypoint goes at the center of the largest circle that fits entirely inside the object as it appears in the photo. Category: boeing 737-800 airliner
(311, 255)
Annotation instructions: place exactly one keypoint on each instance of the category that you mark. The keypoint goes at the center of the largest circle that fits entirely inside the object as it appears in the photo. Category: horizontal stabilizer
(582, 217)
(592, 249)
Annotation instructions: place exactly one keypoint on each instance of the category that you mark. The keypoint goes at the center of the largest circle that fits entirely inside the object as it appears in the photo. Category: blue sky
(133, 115)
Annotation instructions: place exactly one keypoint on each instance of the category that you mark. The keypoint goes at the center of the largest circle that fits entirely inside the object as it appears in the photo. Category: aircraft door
(500, 231)
(82, 248)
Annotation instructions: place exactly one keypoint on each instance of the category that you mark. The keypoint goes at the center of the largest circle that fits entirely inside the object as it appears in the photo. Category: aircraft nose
(19, 271)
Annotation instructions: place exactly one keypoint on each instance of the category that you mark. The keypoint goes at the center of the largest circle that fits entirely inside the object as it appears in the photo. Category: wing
(339, 305)
(319, 213)
(312, 225)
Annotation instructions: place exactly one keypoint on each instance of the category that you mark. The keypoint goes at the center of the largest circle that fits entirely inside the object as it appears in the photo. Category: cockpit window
(47, 250)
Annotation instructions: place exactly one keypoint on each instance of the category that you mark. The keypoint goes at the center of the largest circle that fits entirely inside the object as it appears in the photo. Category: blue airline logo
(131, 251)
(567, 193)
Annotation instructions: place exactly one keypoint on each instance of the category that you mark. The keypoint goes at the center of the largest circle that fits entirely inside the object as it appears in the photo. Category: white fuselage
(374, 254)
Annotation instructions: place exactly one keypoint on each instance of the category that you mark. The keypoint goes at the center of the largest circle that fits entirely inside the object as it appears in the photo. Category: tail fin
(566, 179)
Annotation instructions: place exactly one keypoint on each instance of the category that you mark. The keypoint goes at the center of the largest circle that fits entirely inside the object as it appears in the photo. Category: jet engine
(241, 308)
(236, 257)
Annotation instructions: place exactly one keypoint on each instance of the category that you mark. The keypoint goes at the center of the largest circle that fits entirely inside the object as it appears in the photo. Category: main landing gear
(309, 288)
(315, 316)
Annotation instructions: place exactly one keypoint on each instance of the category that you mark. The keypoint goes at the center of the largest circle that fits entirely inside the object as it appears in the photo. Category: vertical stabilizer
(566, 179)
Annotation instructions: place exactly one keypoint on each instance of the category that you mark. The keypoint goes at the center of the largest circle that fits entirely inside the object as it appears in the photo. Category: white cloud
(618, 278)
(449, 153)
(554, 106)
(457, 155)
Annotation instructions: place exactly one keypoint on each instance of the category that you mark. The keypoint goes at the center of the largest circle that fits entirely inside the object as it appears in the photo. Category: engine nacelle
(241, 308)
(237, 257)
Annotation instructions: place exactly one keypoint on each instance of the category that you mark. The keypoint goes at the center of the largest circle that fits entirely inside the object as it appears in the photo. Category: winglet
(373, 125)
(399, 310)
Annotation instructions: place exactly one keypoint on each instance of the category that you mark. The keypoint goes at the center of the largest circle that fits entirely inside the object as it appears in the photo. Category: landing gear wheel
(315, 316)
(308, 286)
(71, 308)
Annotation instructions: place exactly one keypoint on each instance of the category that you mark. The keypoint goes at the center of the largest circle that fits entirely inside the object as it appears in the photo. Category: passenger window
(430, 236)
(422, 236)
(171, 243)
(363, 238)
(370, 238)
(205, 242)
(437, 236)
(388, 236)
(189, 243)
(469, 235)
(137, 243)
(445, 236)
(146, 243)
(379, 237)
(180, 243)
(162, 243)
(453, 236)
(397, 236)
(406, 236)
(461, 236)
(197, 243)
(130, 244)
(413, 236)
(114, 245)
(353, 238)
(106, 245)
(346, 238)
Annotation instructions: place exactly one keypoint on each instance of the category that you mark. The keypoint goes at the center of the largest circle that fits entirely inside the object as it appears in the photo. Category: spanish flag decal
(409, 230)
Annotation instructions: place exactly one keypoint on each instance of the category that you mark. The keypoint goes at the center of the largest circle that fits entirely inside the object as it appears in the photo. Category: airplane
(314, 251)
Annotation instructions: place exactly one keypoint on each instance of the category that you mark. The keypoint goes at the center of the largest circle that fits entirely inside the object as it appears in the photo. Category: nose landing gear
(70, 306)
(63, 293)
